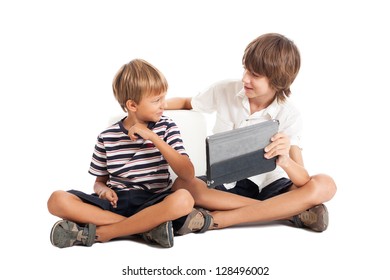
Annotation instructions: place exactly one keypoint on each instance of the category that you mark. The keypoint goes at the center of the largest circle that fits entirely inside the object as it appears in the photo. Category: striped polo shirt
(135, 164)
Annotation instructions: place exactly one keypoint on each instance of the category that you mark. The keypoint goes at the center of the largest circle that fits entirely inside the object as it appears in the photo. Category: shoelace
(82, 235)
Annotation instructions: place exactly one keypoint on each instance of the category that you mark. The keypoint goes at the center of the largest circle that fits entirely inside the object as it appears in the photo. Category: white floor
(355, 244)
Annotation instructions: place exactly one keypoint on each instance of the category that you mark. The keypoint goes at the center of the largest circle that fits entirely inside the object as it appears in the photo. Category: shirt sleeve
(292, 127)
(204, 101)
(173, 138)
(98, 166)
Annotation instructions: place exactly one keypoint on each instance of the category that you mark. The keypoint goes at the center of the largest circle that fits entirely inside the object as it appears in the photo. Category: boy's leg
(212, 199)
(111, 225)
(296, 204)
(70, 207)
(319, 189)
(174, 206)
(315, 218)
(80, 220)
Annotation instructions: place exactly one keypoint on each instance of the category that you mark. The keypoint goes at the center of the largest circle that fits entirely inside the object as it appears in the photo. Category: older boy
(271, 63)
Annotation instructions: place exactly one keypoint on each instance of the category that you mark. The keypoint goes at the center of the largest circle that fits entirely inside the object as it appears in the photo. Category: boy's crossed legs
(153, 222)
(302, 206)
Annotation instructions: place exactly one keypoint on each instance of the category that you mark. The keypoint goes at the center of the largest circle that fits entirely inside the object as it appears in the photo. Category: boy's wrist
(154, 137)
(283, 161)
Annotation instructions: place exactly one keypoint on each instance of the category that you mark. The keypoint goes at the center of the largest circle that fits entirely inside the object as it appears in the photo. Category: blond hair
(137, 79)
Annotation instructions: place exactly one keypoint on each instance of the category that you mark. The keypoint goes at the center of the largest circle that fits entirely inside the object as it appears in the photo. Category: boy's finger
(270, 147)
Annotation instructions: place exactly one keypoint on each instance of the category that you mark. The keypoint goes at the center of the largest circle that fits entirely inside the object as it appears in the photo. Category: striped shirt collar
(151, 125)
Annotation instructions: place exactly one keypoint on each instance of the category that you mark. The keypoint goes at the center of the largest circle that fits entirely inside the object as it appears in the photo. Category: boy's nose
(164, 104)
(245, 77)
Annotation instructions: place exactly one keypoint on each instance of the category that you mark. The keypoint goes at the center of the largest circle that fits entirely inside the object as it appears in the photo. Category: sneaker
(162, 235)
(66, 234)
(315, 218)
(199, 220)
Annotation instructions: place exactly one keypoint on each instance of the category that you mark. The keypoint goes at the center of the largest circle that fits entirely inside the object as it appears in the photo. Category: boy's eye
(251, 72)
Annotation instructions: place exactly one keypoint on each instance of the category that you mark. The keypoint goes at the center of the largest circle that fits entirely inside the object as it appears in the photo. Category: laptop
(239, 153)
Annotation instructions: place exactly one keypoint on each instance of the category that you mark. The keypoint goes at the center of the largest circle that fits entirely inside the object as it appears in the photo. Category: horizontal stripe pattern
(135, 164)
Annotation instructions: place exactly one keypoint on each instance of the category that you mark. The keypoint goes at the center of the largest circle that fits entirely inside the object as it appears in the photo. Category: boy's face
(257, 86)
(151, 107)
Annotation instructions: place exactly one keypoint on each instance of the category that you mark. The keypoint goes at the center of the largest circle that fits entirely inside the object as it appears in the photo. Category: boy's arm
(100, 184)
(104, 192)
(289, 158)
(293, 165)
(180, 164)
(178, 103)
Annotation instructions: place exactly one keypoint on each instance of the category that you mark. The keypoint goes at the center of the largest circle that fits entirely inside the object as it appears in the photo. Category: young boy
(132, 191)
(271, 63)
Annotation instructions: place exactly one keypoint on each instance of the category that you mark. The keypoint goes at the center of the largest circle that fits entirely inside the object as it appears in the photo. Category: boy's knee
(182, 203)
(324, 188)
(55, 201)
(185, 199)
(183, 184)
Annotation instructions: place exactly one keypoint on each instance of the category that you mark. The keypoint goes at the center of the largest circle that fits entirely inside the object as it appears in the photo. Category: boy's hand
(140, 130)
(109, 195)
(280, 147)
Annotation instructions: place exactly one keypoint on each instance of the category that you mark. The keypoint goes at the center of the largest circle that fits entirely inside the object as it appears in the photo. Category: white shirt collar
(271, 110)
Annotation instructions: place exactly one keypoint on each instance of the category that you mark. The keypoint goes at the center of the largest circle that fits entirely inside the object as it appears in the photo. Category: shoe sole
(325, 218)
(63, 238)
(198, 221)
(170, 235)
(55, 240)
(169, 230)
(322, 215)
(192, 222)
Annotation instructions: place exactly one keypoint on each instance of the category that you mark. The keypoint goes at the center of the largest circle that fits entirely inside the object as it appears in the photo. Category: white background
(57, 62)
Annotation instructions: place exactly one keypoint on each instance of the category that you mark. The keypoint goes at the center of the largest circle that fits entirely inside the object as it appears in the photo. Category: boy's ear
(131, 106)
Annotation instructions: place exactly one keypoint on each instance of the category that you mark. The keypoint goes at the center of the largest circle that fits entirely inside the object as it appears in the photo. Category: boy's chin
(155, 119)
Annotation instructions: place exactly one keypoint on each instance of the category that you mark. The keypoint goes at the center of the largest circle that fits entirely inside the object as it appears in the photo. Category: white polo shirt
(227, 98)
